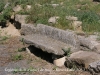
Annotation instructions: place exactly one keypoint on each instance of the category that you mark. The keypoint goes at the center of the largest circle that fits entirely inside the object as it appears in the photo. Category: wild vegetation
(87, 11)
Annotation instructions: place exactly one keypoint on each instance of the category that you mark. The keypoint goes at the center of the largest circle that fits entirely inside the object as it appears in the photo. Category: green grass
(86, 11)
(17, 57)
(21, 49)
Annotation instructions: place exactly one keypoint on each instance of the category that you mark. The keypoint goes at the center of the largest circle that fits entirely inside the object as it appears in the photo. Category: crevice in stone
(17, 25)
(39, 53)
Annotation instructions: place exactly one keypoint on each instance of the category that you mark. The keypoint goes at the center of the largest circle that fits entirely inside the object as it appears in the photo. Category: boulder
(87, 43)
(59, 62)
(27, 29)
(20, 18)
(53, 20)
(68, 37)
(77, 26)
(83, 58)
(45, 43)
(17, 8)
(94, 67)
(90, 42)
(28, 7)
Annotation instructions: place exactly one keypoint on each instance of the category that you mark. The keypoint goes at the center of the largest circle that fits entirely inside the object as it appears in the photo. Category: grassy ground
(87, 11)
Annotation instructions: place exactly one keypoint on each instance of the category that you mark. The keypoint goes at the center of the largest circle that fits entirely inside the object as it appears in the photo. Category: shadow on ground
(39, 53)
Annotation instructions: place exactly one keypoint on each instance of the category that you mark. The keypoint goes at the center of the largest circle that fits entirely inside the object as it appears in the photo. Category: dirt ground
(15, 60)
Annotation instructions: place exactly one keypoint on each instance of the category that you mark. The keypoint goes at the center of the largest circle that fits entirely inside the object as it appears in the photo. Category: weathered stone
(53, 20)
(95, 66)
(72, 18)
(17, 8)
(87, 42)
(20, 18)
(59, 62)
(77, 26)
(84, 58)
(45, 43)
(67, 37)
(28, 7)
(27, 29)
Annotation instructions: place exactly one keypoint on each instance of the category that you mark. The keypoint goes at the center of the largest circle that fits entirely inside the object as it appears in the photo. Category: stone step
(46, 43)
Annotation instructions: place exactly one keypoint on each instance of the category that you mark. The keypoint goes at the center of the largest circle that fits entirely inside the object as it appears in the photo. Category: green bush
(6, 14)
(1, 6)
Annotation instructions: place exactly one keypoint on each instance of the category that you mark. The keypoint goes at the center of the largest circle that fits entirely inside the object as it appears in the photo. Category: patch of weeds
(22, 40)
(23, 12)
(54, 68)
(71, 64)
(21, 49)
(4, 38)
(17, 57)
(6, 14)
(1, 6)
(67, 51)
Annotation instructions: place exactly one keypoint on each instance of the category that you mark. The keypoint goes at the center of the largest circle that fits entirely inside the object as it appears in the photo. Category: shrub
(6, 14)
(1, 6)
